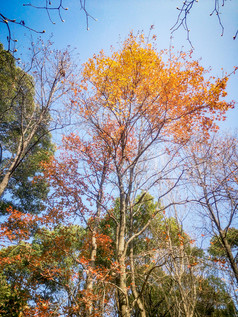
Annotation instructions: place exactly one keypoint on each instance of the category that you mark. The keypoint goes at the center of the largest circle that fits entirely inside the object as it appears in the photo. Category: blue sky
(116, 18)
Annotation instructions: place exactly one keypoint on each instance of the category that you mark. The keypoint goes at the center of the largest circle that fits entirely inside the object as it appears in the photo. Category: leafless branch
(186, 8)
(48, 6)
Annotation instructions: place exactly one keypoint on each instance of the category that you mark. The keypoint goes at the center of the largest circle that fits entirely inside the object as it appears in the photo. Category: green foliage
(213, 298)
(7, 75)
(161, 297)
(26, 190)
(16, 100)
(13, 297)
(11, 300)
(217, 249)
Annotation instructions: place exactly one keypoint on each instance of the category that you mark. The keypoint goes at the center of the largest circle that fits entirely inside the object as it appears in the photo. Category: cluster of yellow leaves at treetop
(137, 81)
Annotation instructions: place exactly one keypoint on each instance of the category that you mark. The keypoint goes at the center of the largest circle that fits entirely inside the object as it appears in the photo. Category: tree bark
(230, 256)
(138, 300)
(122, 291)
(89, 280)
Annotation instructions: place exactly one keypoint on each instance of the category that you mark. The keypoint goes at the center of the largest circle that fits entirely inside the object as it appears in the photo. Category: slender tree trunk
(89, 280)
(4, 183)
(11, 168)
(122, 291)
(230, 257)
(139, 302)
(223, 238)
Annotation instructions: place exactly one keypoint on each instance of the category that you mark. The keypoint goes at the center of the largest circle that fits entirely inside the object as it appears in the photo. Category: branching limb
(48, 6)
(186, 9)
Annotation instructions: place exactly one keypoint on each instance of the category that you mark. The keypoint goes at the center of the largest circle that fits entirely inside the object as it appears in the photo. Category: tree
(27, 103)
(138, 107)
(213, 170)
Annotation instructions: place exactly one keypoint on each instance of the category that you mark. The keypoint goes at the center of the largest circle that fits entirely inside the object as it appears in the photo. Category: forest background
(166, 270)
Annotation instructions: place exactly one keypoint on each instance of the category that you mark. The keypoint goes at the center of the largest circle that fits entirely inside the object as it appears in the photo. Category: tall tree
(26, 102)
(137, 106)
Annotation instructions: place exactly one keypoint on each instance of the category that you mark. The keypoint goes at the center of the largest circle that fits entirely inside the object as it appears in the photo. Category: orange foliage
(137, 88)
(18, 226)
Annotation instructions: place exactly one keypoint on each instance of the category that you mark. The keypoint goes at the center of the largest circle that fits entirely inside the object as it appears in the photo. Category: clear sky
(116, 18)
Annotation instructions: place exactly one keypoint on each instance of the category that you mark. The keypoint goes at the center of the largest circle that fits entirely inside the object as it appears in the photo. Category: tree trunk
(122, 292)
(11, 168)
(230, 257)
(4, 183)
(138, 300)
(89, 280)
(122, 288)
